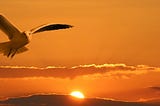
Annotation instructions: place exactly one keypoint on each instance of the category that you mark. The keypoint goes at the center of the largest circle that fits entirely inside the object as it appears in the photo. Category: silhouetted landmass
(154, 101)
(65, 100)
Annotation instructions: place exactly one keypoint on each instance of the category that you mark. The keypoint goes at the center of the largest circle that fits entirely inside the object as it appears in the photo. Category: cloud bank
(156, 88)
(75, 71)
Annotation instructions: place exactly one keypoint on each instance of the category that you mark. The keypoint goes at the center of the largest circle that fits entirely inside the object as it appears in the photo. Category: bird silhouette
(18, 39)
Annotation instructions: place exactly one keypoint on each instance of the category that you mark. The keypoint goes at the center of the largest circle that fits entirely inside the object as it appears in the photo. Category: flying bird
(18, 39)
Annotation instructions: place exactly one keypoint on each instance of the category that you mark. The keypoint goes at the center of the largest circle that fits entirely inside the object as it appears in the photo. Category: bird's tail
(5, 49)
(21, 50)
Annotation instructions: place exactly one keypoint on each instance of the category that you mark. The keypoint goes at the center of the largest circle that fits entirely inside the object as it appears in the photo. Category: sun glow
(77, 94)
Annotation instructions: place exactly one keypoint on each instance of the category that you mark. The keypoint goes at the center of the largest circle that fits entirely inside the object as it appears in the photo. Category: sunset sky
(111, 52)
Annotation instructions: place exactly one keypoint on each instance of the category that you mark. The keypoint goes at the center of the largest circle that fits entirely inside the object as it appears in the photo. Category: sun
(77, 94)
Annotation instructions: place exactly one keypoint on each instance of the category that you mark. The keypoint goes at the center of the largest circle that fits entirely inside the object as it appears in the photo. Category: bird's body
(18, 39)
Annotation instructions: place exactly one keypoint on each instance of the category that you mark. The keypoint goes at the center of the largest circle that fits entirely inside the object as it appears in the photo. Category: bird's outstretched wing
(49, 27)
(8, 28)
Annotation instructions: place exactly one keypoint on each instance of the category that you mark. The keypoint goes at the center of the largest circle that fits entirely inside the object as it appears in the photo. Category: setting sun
(77, 94)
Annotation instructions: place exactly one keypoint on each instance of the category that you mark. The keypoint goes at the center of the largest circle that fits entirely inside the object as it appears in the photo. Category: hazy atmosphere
(112, 51)
(117, 31)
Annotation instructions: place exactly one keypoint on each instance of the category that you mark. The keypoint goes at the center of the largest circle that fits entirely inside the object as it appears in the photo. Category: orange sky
(105, 31)
(116, 81)
(117, 31)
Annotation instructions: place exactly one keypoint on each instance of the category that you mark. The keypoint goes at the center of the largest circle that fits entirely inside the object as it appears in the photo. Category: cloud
(156, 88)
(119, 70)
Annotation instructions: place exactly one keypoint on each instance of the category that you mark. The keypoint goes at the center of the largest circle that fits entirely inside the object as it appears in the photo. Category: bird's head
(28, 34)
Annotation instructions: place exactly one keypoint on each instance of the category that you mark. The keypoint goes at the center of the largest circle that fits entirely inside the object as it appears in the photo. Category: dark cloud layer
(157, 88)
(73, 72)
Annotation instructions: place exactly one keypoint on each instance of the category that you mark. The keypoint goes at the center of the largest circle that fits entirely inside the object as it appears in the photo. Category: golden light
(77, 94)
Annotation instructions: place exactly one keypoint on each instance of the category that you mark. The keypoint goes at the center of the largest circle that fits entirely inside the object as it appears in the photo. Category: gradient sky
(116, 81)
(105, 32)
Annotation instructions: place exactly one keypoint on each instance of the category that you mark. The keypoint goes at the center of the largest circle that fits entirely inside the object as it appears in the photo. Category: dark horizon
(67, 100)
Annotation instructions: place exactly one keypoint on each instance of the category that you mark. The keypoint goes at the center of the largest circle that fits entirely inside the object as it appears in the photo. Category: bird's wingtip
(2, 15)
(71, 26)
